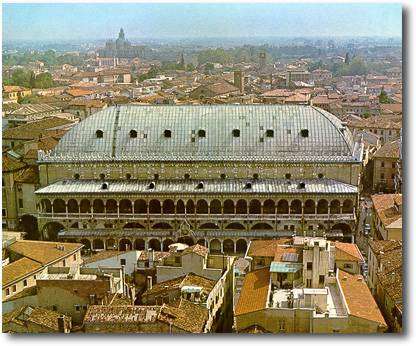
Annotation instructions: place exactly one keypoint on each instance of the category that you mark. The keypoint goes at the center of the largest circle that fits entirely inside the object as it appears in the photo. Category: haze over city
(73, 21)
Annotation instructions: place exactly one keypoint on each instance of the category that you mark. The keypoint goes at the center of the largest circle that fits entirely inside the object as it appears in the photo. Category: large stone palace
(136, 177)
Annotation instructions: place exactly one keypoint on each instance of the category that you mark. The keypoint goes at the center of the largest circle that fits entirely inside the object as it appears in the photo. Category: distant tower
(121, 34)
(239, 80)
(182, 61)
(262, 60)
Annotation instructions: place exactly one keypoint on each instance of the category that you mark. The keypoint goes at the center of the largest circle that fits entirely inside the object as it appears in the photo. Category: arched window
(241, 207)
(254, 207)
(215, 207)
(229, 207)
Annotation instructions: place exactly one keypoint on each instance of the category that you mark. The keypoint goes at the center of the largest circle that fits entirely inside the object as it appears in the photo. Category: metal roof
(327, 140)
(266, 186)
(284, 267)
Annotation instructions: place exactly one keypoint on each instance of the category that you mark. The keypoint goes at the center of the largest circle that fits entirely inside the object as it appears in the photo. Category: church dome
(251, 133)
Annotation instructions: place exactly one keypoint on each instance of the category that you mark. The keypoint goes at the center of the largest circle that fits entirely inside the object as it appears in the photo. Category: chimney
(149, 280)
(63, 325)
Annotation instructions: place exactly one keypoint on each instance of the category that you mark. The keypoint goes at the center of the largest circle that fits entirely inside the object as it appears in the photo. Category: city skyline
(198, 20)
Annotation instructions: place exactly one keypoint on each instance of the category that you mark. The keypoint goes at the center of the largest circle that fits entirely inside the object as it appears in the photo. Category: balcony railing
(208, 217)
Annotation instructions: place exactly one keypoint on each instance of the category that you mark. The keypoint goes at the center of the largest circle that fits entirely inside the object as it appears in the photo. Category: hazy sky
(94, 20)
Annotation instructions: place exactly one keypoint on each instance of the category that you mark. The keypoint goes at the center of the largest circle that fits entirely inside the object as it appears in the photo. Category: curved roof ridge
(254, 141)
(325, 114)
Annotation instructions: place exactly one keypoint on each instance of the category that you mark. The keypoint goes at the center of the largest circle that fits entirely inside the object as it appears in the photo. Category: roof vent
(104, 186)
(248, 185)
(236, 133)
(201, 133)
(152, 185)
(167, 133)
(301, 185)
(304, 133)
(200, 185)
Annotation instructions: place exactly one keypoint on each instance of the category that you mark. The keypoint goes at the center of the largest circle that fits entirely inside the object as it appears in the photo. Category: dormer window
(133, 134)
(223, 176)
(301, 185)
(200, 185)
(255, 176)
(102, 176)
(248, 185)
(304, 133)
(167, 133)
(128, 176)
(152, 185)
(76, 176)
(187, 176)
(236, 133)
(104, 186)
(320, 175)
(99, 134)
(288, 175)
(270, 133)
(201, 133)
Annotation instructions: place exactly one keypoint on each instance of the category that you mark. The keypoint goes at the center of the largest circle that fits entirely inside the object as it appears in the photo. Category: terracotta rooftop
(42, 317)
(391, 108)
(145, 255)
(390, 150)
(28, 175)
(32, 130)
(13, 88)
(189, 279)
(185, 315)
(11, 164)
(377, 122)
(387, 207)
(43, 252)
(384, 246)
(359, 299)
(102, 255)
(79, 92)
(347, 252)
(19, 269)
(253, 295)
(197, 249)
(266, 248)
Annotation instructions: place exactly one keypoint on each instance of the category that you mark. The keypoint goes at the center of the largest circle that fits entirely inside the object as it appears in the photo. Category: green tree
(43, 81)
(383, 97)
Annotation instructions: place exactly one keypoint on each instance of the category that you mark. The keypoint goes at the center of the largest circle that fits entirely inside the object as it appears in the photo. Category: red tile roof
(253, 296)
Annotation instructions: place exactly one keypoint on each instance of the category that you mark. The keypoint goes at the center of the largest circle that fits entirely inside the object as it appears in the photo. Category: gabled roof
(347, 252)
(359, 300)
(266, 248)
(32, 130)
(33, 314)
(387, 207)
(253, 295)
(189, 279)
(43, 252)
(19, 269)
(185, 315)
(390, 150)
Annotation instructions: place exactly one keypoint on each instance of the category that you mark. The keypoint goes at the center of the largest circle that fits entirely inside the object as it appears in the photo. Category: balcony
(197, 217)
